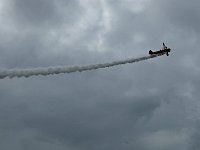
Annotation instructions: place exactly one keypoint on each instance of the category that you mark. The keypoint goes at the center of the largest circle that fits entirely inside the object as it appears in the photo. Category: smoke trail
(64, 69)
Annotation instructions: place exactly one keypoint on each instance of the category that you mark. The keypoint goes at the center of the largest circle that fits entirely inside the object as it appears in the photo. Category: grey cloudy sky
(151, 105)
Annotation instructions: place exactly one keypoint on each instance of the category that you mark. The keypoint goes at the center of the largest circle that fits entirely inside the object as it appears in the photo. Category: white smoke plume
(11, 73)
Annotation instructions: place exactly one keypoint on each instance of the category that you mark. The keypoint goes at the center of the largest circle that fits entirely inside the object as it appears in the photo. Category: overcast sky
(150, 105)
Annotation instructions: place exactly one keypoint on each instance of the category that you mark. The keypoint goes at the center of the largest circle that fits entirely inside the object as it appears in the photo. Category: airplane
(162, 51)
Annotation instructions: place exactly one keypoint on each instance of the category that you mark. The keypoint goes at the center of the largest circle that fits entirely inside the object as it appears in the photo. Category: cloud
(152, 104)
(165, 140)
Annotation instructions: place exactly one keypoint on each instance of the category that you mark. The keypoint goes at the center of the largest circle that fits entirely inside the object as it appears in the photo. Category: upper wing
(164, 47)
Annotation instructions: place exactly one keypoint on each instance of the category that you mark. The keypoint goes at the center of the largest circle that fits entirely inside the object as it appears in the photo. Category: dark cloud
(184, 14)
(37, 11)
(195, 138)
(44, 13)
(149, 105)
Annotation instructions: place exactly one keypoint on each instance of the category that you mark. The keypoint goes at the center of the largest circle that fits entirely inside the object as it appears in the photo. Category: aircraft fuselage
(160, 52)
